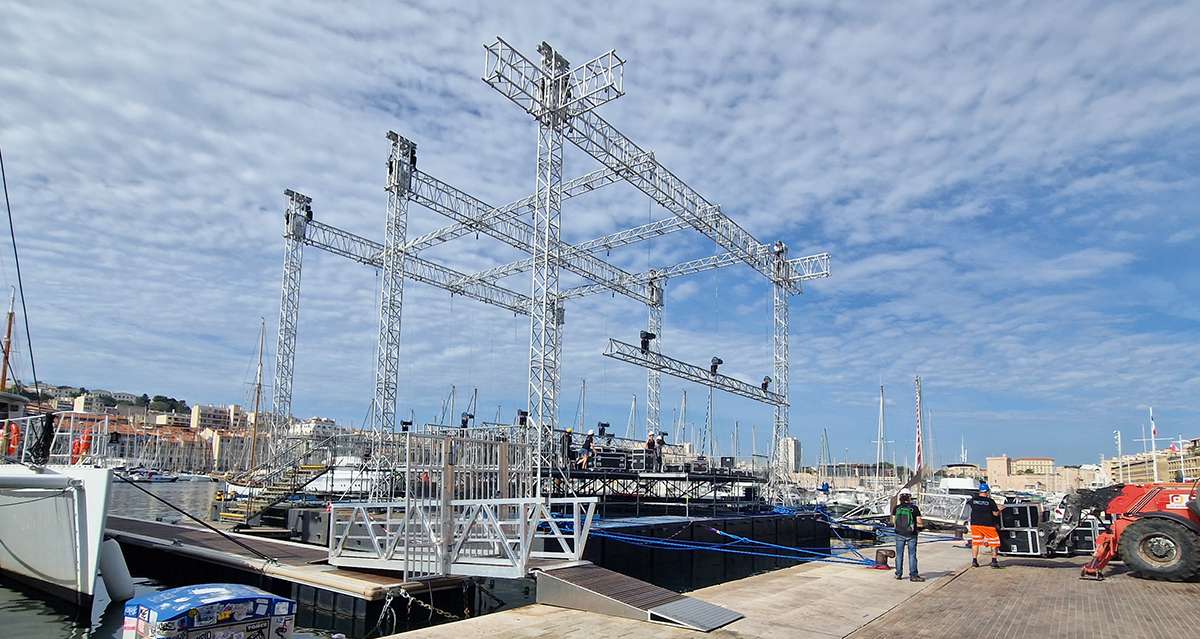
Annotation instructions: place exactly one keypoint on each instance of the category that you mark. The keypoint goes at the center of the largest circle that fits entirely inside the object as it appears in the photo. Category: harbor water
(30, 614)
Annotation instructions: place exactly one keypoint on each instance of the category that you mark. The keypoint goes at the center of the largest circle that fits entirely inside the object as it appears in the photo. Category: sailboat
(54, 511)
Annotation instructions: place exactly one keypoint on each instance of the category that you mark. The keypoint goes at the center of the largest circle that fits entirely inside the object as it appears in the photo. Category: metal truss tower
(545, 312)
(653, 378)
(401, 162)
(295, 225)
(778, 477)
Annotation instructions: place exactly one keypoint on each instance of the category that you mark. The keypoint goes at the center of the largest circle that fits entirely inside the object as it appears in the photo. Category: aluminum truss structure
(401, 162)
(690, 372)
(653, 375)
(562, 100)
(295, 222)
(778, 473)
(524, 82)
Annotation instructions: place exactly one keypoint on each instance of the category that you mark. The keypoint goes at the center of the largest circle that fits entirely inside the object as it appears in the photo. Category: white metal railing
(477, 537)
(78, 438)
(944, 507)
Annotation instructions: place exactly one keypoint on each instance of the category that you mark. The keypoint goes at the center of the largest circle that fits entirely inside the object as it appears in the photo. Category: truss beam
(369, 252)
(517, 78)
(572, 188)
(804, 269)
(677, 368)
(654, 229)
(460, 206)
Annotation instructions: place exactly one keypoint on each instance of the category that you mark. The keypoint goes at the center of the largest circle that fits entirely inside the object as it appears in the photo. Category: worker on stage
(985, 521)
(907, 520)
(587, 449)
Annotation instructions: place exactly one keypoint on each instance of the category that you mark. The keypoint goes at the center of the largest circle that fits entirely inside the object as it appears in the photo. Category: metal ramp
(586, 586)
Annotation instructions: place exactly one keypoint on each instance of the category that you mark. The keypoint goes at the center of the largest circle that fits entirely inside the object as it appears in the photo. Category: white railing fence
(478, 537)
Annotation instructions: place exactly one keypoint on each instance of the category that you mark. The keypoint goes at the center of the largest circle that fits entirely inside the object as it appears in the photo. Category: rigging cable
(20, 286)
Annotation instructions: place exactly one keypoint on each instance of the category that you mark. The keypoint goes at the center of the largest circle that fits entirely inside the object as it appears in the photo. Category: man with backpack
(906, 518)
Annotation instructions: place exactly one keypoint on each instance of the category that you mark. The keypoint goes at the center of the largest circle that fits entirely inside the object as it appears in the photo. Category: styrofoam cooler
(210, 611)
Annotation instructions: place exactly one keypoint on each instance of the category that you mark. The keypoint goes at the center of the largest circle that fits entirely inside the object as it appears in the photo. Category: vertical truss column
(401, 161)
(654, 289)
(295, 221)
(544, 315)
(778, 477)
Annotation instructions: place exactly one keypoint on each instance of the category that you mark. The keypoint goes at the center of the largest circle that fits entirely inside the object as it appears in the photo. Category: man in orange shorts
(985, 519)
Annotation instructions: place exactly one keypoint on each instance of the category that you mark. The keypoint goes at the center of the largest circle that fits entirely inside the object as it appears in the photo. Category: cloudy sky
(1009, 193)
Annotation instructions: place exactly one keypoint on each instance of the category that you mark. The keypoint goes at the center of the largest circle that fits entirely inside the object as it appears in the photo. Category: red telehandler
(1155, 529)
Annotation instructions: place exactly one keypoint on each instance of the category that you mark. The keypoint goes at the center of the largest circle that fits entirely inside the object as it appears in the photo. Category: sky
(1009, 192)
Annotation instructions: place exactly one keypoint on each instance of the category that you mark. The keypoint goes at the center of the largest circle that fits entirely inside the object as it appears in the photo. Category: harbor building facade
(1038, 473)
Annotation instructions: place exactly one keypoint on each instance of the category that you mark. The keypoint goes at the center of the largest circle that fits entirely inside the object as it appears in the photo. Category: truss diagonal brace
(677, 368)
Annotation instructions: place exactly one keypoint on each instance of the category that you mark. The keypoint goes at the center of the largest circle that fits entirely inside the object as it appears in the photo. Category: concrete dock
(1025, 598)
(818, 600)
(1045, 598)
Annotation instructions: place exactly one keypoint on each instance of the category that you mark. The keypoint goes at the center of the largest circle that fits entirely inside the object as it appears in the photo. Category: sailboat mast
(918, 458)
(258, 375)
(8, 342)
(879, 443)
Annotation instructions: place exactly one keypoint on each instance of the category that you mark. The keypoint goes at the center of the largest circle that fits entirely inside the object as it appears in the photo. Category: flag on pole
(1153, 428)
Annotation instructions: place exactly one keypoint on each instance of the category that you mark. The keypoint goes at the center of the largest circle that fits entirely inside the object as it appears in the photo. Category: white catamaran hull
(51, 527)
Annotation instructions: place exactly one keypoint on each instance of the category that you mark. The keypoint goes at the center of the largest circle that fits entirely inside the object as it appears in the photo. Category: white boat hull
(51, 527)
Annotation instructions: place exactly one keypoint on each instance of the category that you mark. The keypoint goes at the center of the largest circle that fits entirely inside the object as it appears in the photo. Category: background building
(218, 417)
(1038, 473)
(88, 403)
(792, 454)
(1032, 466)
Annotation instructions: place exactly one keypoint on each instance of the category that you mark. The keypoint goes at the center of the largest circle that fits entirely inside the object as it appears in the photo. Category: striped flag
(1153, 428)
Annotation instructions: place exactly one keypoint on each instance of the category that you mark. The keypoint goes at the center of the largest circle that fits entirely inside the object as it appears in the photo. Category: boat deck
(296, 563)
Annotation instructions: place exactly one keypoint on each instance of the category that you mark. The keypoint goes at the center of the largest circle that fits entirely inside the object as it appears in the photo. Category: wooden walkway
(1045, 598)
(816, 600)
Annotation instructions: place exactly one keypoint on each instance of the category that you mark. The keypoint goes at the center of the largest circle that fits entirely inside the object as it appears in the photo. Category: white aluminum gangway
(504, 538)
(457, 502)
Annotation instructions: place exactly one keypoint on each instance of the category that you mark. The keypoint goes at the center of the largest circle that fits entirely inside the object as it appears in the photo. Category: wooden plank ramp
(586, 586)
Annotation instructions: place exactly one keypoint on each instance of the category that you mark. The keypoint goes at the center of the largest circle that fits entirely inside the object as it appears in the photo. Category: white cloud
(995, 184)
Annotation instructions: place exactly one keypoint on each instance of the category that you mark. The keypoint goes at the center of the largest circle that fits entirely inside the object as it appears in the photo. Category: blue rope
(798, 554)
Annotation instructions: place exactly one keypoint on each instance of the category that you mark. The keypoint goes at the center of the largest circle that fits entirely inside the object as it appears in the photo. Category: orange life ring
(81, 445)
(14, 439)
